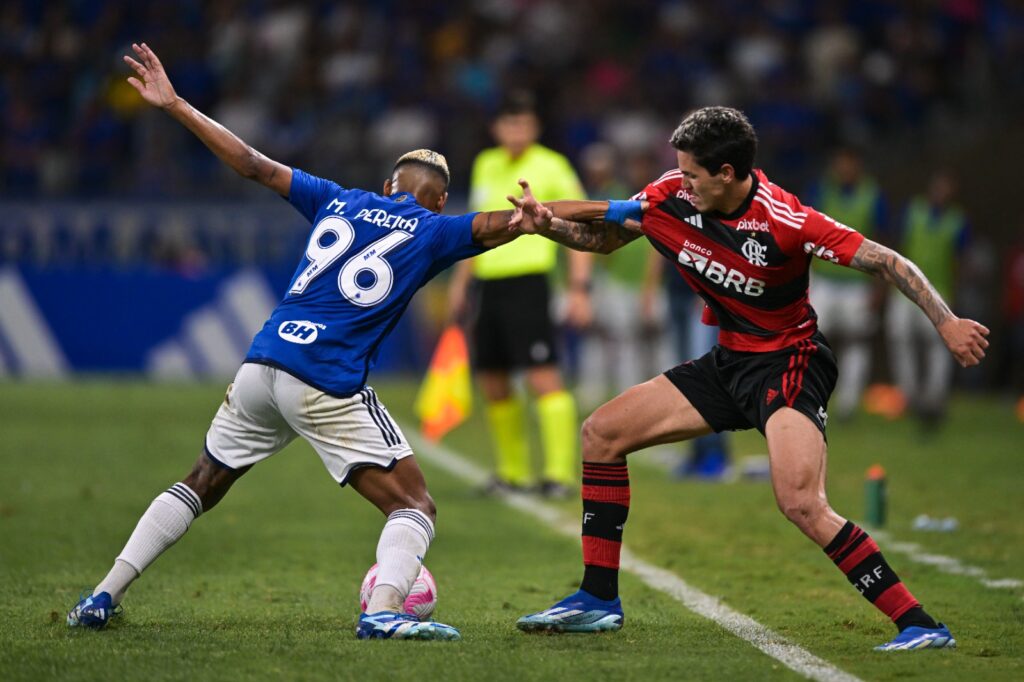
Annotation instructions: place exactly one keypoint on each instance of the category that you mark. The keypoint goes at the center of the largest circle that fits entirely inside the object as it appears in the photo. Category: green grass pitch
(266, 585)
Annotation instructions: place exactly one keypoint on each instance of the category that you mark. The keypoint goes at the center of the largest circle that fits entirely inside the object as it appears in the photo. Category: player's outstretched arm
(597, 236)
(964, 338)
(493, 228)
(590, 211)
(155, 87)
(592, 234)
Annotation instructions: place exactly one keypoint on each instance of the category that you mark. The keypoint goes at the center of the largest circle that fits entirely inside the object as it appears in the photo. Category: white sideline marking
(946, 564)
(791, 655)
(665, 459)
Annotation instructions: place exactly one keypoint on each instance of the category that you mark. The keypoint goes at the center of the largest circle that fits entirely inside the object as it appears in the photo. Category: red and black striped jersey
(751, 266)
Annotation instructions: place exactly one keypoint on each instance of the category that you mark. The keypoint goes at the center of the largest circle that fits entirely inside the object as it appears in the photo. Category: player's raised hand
(540, 213)
(521, 222)
(154, 86)
(965, 339)
(531, 216)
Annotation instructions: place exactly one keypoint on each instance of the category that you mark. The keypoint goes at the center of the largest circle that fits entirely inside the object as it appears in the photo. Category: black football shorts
(512, 328)
(735, 390)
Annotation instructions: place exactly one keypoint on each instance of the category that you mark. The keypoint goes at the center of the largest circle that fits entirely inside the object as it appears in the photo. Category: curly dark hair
(716, 136)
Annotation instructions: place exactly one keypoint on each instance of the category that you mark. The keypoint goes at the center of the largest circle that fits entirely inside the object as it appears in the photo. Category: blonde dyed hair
(427, 157)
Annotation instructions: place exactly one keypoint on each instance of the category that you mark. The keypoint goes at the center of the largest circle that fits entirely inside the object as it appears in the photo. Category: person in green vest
(511, 327)
(846, 300)
(935, 232)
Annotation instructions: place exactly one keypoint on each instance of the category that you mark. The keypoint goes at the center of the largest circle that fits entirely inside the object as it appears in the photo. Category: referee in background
(511, 328)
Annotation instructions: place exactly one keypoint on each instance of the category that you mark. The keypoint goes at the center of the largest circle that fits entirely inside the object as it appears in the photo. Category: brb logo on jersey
(699, 258)
(299, 331)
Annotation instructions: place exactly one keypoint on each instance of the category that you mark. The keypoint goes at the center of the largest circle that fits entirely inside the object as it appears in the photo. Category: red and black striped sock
(605, 508)
(858, 556)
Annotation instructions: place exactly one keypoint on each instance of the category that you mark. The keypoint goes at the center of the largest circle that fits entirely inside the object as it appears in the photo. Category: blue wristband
(621, 211)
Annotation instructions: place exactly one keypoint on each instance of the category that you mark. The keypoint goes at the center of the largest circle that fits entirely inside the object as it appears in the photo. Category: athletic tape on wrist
(621, 211)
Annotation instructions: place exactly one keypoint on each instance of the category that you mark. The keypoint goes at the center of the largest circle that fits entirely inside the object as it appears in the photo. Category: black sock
(605, 494)
(601, 582)
(859, 557)
(915, 617)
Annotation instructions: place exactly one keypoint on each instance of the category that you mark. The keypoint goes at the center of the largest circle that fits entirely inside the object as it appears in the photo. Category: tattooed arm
(875, 259)
(597, 236)
(576, 224)
(964, 338)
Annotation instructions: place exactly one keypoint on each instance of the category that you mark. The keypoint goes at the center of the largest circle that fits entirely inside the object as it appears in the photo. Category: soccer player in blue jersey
(305, 374)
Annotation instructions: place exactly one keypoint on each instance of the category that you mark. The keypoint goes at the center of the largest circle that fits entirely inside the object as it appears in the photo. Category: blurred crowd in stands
(342, 88)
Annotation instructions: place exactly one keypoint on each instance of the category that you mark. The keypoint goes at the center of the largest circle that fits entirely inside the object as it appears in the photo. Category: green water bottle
(874, 496)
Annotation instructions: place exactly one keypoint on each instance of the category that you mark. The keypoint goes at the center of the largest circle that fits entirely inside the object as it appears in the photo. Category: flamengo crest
(754, 252)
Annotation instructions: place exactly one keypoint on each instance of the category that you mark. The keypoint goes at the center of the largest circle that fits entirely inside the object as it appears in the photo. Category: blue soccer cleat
(93, 611)
(920, 638)
(579, 612)
(390, 625)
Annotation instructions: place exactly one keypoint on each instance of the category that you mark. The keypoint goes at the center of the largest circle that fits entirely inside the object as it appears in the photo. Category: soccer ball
(422, 597)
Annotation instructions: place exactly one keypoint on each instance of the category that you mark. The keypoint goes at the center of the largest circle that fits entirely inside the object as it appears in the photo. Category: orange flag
(445, 399)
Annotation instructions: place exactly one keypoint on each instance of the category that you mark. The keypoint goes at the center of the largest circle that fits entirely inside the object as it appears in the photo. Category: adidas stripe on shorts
(737, 390)
(266, 408)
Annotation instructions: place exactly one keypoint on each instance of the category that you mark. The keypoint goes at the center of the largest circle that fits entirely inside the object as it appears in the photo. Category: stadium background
(102, 194)
(126, 248)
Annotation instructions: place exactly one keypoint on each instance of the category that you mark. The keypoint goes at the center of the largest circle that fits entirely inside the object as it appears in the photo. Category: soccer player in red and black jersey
(745, 246)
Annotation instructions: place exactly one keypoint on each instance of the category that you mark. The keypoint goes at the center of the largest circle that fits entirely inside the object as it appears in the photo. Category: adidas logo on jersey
(695, 220)
(698, 258)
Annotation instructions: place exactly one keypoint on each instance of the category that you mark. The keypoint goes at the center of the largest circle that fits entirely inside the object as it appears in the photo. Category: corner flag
(446, 397)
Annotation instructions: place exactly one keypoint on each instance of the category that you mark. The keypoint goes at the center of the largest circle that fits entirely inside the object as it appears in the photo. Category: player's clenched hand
(154, 85)
(965, 339)
(531, 216)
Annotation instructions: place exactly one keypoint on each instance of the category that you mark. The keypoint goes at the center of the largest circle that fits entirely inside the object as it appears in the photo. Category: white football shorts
(266, 408)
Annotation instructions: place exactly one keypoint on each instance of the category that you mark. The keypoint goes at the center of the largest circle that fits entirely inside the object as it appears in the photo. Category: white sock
(400, 551)
(117, 581)
(166, 520)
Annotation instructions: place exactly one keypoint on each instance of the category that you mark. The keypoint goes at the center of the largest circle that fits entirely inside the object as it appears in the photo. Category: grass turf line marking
(946, 564)
(771, 643)
(664, 459)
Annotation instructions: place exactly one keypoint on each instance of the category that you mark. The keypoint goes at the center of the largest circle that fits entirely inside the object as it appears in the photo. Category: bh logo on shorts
(299, 331)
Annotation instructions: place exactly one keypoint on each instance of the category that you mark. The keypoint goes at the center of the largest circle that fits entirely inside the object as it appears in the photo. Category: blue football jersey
(365, 258)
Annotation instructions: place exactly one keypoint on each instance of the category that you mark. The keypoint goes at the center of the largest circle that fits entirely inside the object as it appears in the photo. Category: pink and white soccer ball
(422, 597)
